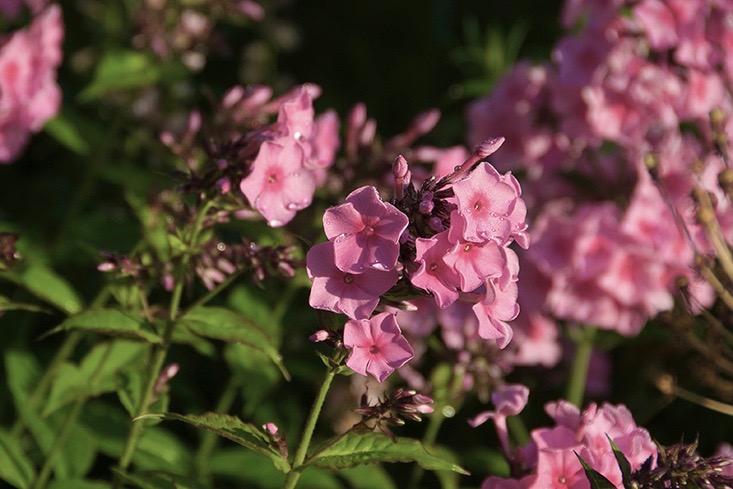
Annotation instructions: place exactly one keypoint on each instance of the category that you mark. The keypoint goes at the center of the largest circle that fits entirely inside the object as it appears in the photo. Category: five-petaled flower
(377, 346)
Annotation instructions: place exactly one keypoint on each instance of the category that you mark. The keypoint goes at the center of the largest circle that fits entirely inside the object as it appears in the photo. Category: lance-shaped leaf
(157, 480)
(223, 324)
(48, 286)
(234, 429)
(7, 304)
(15, 467)
(352, 450)
(110, 322)
(596, 479)
(94, 375)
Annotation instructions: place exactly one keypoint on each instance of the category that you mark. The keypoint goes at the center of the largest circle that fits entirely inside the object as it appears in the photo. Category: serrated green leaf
(352, 450)
(157, 480)
(236, 430)
(222, 324)
(596, 479)
(16, 468)
(95, 374)
(48, 286)
(110, 322)
(623, 462)
(7, 304)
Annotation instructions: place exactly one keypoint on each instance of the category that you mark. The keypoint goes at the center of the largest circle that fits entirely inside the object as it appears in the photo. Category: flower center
(374, 349)
(272, 178)
(433, 267)
(562, 480)
(348, 278)
(368, 230)
(467, 248)
(477, 205)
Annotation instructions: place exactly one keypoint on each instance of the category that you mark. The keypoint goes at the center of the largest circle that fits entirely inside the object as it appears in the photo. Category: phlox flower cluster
(29, 60)
(631, 86)
(549, 460)
(276, 165)
(446, 240)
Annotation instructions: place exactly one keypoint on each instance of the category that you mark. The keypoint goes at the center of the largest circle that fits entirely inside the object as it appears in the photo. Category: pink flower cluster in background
(634, 84)
(549, 460)
(29, 59)
(447, 239)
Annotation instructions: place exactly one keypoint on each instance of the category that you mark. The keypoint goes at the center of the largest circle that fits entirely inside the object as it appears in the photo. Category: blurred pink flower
(29, 94)
(377, 346)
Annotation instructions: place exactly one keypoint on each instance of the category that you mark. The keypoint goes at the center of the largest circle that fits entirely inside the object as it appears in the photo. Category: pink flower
(434, 274)
(490, 204)
(29, 94)
(365, 231)
(355, 295)
(377, 346)
(559, 469)
(278, 185)
(474, 262)
(510, 400)
(495, 310)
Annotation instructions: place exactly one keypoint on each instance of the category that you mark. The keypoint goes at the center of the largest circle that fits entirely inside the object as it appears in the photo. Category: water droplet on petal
(379, 266)
(292, 206)
(275, 223)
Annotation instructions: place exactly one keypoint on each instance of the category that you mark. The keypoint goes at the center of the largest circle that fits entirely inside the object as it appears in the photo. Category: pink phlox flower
(658, 22)
(355, 295)
(474, 262)
(365, 231)
(29, 93)
(559, 469)
(509, 400)
(498, 307)
(278, 186)
(491, 206)
(377, 346)
(325, 141)
(434, 274)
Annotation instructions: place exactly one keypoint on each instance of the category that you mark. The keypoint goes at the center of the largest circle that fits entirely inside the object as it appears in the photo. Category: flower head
(377, 346)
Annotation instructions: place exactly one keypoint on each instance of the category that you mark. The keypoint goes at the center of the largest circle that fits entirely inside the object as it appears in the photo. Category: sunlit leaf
(353, 450)
(48, 286)
(15, 467)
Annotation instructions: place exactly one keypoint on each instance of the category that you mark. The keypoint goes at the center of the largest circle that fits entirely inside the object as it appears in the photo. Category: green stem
(310, 426)
(210, 439)
(68, 425)
(579, 373)
(160, 352)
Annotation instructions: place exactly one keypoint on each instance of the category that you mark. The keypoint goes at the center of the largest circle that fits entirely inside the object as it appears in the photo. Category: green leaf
(48, 286)
(94, 375)
(250, 469)
(15, 468)
(259, 376)
(331, 320)
(236, 430)
(157, 480)
(78, 484)
(352, 450)
(72, 131)
(129, 389)
(222, 324)
(7, 304)
(124, 70)
(623, 462)
(364, 477)
(596, 479)
(110, 322)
